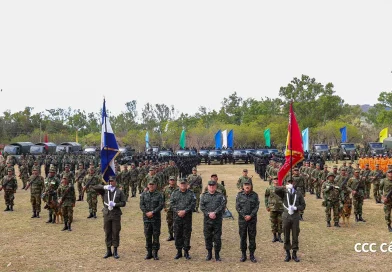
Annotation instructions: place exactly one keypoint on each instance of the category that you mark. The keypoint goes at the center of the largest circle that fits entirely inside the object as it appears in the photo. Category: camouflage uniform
(314, 183)
(125, 182)
(377, 175)
(385, 188)
(333, 199)
(80, 174)
(70, 176)
(24, 174)
(50, 193)
(67, 196)
(9, 184)
(241, 180)
(196, 185)
(274, 204)
(134, 174)
(89, 181)
(167, 192)
(36, 185)
(355, 184)
(365, 176)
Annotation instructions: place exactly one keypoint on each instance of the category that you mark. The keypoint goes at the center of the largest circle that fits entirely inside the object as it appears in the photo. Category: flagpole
(291, 140)
(105, 135)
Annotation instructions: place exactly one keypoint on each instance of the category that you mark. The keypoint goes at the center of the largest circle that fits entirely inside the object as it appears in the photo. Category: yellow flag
(77, 138)
(383, 134)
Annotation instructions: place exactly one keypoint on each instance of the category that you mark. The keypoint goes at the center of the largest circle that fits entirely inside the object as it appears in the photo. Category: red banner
(294, 147)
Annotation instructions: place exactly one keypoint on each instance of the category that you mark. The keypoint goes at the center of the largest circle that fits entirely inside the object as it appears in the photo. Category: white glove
(290, 210)
(289, 186)
(294, 208)
(107, 187)
(112, 204)
(112, 189)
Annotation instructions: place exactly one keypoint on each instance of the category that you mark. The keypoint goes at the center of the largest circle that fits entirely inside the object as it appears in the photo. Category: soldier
(247, 206)
(376, 176)
(133, 174)
(315, 182)
(151, 204)
(335, 170)
(50, 193)
(333, 199)
(300, 186)
(10, 185)
(125, 181)
(37, 184)
(91, 180)
(303, 172)
(114, 198)
(140, 177)
(357, 187)
(182, 202)
(80, 174)
(67, 199)
(293, 202)
(196, 185)
(243, 178)
(365, 176)
(167, 192)
(24, 173)
(385, 190)
(274, 206)
(213, 204)
(70, 175)
(350, 169)
(220, 187)
(150, 177)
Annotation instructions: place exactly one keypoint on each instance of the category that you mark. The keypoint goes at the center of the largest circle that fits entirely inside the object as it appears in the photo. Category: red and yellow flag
(294, 147)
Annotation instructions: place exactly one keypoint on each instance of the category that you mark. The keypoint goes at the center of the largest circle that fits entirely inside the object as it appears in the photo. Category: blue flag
(147, 140)
(218, 140)
(230, 139)
(343, 131)
(305, 139)
(109, 147)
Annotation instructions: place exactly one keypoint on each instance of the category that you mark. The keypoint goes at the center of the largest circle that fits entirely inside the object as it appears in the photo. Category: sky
(60, 54)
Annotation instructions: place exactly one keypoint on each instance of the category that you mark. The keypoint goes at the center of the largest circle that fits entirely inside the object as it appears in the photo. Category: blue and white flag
(343, 131)
(230, 139)
(147, 138)
(109, 147)
(218, 140)
(305, 139)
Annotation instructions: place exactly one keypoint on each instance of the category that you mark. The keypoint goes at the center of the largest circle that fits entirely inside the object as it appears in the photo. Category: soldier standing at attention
(151, 204)
(385, 191)
(125, 181)
(247, 206)
(243, 178)
(182, 202)
(24, 173)
(89, 181)
(80, 174)
(52, 183)
(293, 202)
(114, 198)
(37, 184)
(10, 185)
(357, 187)
(274, 206)
(376, 176)
(67, 199)
(365, 176)
(133, 173)
(213, 204)
(333, 199)
(300, 186)
(195, 184)
(70, 175)
(167, 192)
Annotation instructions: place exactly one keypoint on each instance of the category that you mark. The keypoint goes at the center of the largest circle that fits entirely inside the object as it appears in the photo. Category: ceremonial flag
(218, 142)
(224, 138)
(267, 137)
(147, 138)
(305, 139)
(183, 139)
(230, 139)
(294, 148)
(46, 140)
(383, 134)
(343, 131)
(109, 147)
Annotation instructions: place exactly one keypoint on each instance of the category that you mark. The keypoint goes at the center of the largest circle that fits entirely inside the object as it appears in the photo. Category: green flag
(267, 137)
(183, 139)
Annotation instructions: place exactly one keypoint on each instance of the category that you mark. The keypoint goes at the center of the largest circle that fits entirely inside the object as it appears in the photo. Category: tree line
(316, 106)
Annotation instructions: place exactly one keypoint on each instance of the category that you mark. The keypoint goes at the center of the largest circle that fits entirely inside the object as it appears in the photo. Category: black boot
(243, 257)
(252, 257)
(34, 215)
(148, 255)
(7, 208)
(389, 228)
(328, 224)
(288, 256)
(280, 238)
(155, 255)
(108, 253)
(295, 258)
(275, 239)
(115, 254)
(69, 227)
(356, 218)
(301, 217)
(337, 225)
(360, 218)
(179, 254)
(91, 215)
(209, 255)
(65, 226)
(11, 208)
(80, 198)
(50, 219)
(38, 215)
(95, 215)
(186, 254)
(170, 238)
(217, 257)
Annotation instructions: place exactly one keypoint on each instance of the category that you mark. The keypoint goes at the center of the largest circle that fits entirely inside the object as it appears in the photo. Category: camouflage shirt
(247, 204)
(183, 201)
(167, 192)
(151, 202)
(36, 184)
(66, 193)
(272, 200)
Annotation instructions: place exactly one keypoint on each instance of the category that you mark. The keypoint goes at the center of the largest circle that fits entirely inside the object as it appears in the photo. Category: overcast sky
(188, 53)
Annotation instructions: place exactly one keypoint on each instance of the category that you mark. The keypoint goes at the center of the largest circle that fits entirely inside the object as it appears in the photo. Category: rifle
(87, 184)
(29, 184)
(377, 176)
(344, 182)
(388, 198)
(64, 195)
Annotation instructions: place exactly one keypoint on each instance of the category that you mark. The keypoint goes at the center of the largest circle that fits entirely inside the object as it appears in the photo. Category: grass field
(32, 245)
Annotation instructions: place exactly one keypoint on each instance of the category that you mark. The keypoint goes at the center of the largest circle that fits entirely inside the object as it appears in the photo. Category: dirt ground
(32, 245)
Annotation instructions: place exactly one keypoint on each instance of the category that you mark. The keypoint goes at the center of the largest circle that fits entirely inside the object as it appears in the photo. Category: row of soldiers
(383, 161)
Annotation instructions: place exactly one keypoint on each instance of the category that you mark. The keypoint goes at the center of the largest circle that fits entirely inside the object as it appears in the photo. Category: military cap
(389, 171)
(52, 169)
(295, 169)
(35, 168)
(172, 178)
(317, 164)
(335, 167)
(194, 169)
(357, 170)
(112, 178)
(247, 182)
(212, 182)
(330, 174)
(152, 168)
(183, 180)
(10, 170)
(343, 169)
(91, 163)
(245, 170)
(214, 175)
(151, 182)
(67, 165)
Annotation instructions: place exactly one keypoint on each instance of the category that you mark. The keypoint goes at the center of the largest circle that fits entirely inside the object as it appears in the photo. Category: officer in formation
(24, 174)
(133, 175)
(182, 203)
(79, 176)
(357, 187)
(90, 180)
(52, 183)
(247, 206)
(366, 177)
(376, 176)
(212, 204)
(385, 191)
(274, 205)
(195, 183)
(9, 184)
(67, 199)
(36, 185)
(333, 199)
(300, 187)
(151, 204)
(243, 178)
(167, 192)
(114, 199)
